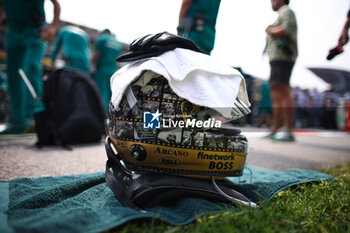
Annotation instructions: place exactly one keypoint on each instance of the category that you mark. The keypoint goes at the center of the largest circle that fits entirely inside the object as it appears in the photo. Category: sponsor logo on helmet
(170, 160)
(221, 165)
(202, 155)
(164, 151)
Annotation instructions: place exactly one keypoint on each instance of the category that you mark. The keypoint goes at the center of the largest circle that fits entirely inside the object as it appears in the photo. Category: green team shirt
(287, 19)
(109, 48)
(204, 13)
(74, 42)
(208, 9)
(24, 12)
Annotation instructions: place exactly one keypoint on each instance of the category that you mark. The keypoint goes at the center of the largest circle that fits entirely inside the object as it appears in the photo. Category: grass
(317, 207)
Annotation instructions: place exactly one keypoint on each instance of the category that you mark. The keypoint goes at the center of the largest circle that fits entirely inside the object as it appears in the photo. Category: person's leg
(100, 85)
(14, 58)
(318, 117)
(287, 106)
(268, 120)
(283, 112)
(32, 67)
(283, 102)
(276, 96)
(277, 110)
(287, 112)
(102, 79)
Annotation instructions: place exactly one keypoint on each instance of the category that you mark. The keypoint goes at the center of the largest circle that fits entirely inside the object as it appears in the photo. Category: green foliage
(316, 207)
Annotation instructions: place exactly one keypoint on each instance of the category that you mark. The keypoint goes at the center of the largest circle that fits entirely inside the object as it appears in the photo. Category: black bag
(73, 110)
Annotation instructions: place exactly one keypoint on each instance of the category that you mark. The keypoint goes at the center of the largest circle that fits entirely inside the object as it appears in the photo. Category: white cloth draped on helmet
(193, 76)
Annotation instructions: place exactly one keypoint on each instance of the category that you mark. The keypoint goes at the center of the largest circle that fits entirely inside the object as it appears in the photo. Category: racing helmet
(155, 131)
(162, 146)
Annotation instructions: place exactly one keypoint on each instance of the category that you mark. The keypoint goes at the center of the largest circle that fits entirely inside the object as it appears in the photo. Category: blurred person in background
(74, 43)
(107, 48)
(265, 105)
(25, 47)
(281, 48)
(316, 108)
(197, 22)
(301, 105)
(330, 103)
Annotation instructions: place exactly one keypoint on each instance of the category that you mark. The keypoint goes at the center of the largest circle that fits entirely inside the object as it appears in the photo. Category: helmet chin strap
(142, 191)
(245, 202)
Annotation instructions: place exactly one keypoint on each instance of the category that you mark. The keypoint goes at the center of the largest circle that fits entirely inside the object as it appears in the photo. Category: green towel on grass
(84, 203)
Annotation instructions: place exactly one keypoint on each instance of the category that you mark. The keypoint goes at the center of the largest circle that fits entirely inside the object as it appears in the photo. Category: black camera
(334, 52)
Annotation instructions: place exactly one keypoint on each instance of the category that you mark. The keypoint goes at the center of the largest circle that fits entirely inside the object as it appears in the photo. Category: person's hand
(48, 33)
(268, 30)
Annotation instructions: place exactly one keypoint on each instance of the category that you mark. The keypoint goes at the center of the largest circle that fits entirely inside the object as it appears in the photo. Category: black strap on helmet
(147, 190)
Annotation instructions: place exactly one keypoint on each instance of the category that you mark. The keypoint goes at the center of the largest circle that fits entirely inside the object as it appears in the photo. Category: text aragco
(171, 152)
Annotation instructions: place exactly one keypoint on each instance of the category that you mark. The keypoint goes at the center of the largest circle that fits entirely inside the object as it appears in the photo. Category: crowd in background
(313, 108)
